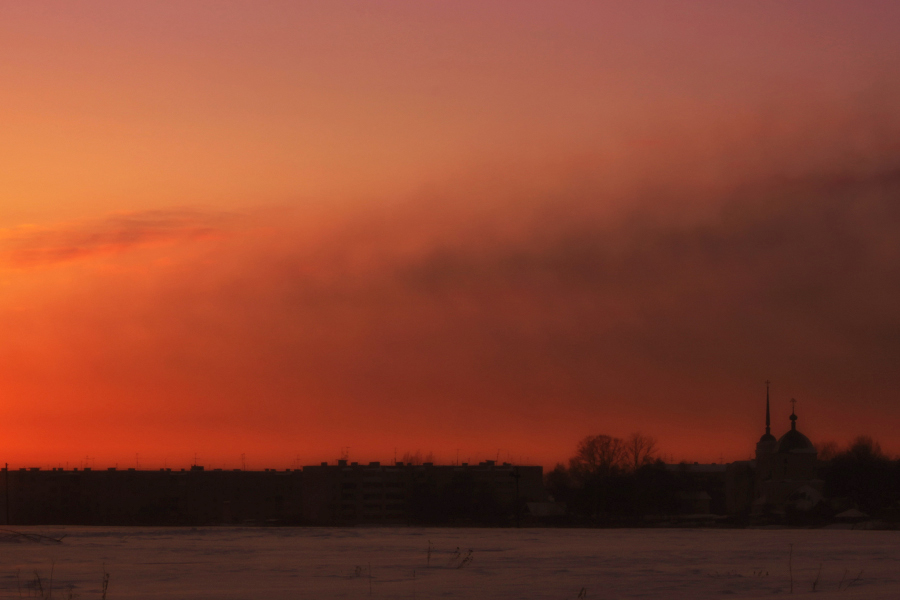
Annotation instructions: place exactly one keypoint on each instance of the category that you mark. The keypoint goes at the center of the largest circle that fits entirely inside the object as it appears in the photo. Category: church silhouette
(782, 477)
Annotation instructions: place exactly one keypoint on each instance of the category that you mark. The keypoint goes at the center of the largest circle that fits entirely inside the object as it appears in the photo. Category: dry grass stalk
(454, 558)
(791, 566)
(466, 560)
(105, 584)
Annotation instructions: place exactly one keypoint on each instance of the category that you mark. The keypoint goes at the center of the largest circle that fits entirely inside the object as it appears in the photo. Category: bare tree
(864, 447)
(640, 450)
(597, 455)
(411, 458)
(828, 450)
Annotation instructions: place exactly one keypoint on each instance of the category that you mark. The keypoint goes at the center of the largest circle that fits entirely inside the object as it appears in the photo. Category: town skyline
(457, 457)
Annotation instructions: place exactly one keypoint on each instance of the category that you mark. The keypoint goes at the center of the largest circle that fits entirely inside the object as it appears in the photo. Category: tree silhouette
(827, 450)
(597, 456)
(865, 476)
(640, 450)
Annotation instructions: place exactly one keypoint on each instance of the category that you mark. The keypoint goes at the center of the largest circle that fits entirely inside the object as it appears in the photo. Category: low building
(340, 494)
(404, 493)
(135, 497)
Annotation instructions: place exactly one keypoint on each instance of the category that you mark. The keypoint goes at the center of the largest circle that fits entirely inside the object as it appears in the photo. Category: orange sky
(279, 229)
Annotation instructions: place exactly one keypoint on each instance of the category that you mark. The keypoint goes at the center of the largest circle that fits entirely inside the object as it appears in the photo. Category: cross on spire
(793, 413)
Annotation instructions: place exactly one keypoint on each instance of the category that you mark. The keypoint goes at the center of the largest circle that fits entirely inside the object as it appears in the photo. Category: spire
(767, 438)
(793, 415)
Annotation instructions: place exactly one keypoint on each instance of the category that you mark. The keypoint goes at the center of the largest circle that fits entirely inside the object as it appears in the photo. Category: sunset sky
(491, 228)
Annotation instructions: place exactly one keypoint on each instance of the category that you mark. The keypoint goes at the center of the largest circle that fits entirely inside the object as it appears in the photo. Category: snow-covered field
(231, 563)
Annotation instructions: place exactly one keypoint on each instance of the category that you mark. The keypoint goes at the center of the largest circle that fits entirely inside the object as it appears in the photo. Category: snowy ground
(277, 563)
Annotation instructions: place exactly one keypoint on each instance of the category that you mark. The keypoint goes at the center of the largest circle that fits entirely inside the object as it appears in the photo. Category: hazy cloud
(48, 245)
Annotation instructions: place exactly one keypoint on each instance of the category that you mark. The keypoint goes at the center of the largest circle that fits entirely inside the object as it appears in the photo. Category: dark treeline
(611, 479)
(861, 476)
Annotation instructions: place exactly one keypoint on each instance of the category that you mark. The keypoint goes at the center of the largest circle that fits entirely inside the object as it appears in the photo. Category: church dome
(794, 441)
(766, 437)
